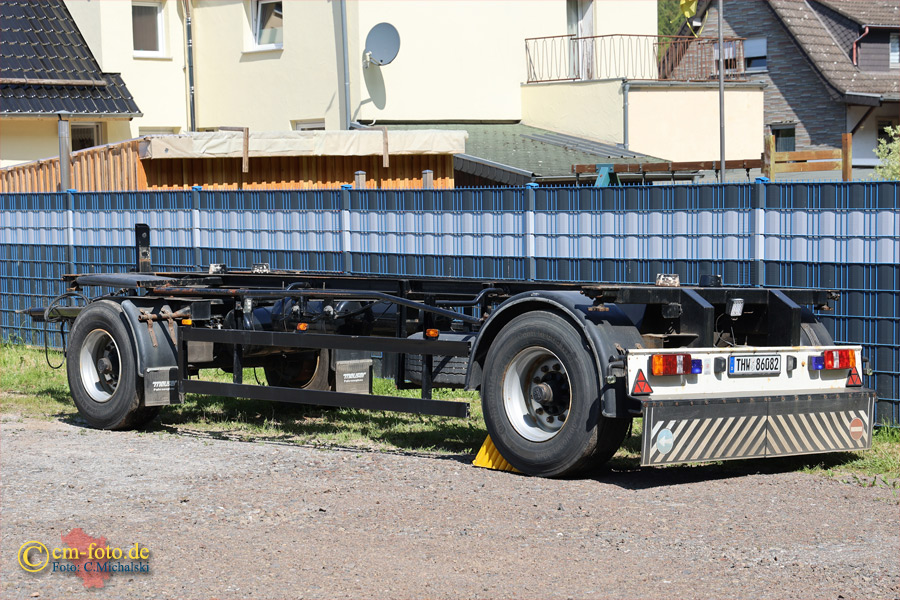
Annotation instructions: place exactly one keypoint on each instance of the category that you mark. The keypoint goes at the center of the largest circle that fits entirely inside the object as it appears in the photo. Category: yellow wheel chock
(489, 458)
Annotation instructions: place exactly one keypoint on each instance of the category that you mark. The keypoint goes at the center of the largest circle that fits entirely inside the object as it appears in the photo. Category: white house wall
(159, 84)
(458, 59)
(589, 109)
(238, 85)
(865, 139)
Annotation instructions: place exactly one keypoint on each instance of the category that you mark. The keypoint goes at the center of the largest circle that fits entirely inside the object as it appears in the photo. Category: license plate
(754, 364)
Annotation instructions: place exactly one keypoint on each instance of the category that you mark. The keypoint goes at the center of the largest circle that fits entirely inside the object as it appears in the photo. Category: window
(785, 138)
(308, 125)
(895, 49)
(730, 60)
(84, 135)
(755, 50)
(268, 21)
(147, 28)
(157, 130)
(883, 125)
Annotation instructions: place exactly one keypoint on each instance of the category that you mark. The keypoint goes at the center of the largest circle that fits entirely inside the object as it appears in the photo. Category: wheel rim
(100, 363)
(537, 394)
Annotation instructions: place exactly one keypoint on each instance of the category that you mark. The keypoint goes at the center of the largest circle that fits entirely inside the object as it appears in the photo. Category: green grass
(30, 388)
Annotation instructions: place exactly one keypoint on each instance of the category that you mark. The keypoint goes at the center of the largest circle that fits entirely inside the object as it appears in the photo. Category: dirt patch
(232, 519)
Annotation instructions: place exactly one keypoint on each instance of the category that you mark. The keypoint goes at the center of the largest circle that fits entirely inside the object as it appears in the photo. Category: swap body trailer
(716, 373)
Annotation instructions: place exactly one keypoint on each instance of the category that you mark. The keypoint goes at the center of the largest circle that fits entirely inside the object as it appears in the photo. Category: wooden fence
(807, 161)
(118, 167)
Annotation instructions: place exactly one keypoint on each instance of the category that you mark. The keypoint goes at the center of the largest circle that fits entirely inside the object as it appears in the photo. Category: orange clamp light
(187, 322)
(302, 326)
(432, 333)
(670, 364)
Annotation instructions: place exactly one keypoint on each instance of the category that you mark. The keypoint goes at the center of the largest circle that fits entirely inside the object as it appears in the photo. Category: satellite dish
(382, 45)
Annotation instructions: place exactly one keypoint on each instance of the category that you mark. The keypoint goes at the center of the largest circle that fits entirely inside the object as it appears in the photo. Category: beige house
(277, 65)
(274, 65)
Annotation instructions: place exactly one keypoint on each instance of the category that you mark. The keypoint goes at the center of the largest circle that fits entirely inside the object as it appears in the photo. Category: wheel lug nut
(536, 380)
(556, 367)
(549, 419)
(539, 411)
(545, 369)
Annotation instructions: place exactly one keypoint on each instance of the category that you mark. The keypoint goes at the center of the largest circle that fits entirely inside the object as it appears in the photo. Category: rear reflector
(670, 364)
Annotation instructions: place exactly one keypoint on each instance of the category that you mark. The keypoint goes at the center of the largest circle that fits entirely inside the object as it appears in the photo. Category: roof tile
(39, 40)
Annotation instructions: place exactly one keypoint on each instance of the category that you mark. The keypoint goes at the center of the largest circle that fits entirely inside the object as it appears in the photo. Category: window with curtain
(146, 27)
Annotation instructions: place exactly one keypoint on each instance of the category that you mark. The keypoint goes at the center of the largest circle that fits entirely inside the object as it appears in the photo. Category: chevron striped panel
(679, 434)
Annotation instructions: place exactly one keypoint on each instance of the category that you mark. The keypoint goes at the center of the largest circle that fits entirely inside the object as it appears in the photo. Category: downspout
(345, 122)
(855, 45)
(625, 86)
(190, 64)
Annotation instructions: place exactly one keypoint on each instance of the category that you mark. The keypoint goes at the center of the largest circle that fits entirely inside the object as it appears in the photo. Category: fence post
(847, 156)
(530, 266)
(359, 180)
(70, 230)
(427, 179)
(758, 232)
(345, 228)
(195, 224)
(768, 156)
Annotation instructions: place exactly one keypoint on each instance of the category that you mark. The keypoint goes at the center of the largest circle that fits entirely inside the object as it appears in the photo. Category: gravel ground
(226, 519)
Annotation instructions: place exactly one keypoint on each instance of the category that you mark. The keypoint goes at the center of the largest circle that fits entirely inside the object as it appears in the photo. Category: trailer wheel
(812, 332)
(541, 399)
(308, 371)
(102, 370)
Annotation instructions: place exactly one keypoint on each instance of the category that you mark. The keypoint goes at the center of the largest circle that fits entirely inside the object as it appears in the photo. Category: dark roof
(885, 13)
(46, 66)
(820, 46)
(823, 51)
(518, 153)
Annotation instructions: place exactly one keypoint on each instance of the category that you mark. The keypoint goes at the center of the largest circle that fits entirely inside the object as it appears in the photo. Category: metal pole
(192, 124)
(345, 123)
(65, 149)
(722, 94)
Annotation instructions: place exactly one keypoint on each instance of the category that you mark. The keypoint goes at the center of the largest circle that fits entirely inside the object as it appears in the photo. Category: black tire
(308, 371)
(520, 427)
(446, 370)
(812, 332)
(107, 394)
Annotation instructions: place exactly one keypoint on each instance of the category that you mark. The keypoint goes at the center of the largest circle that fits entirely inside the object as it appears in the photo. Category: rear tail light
(833, 359)
(840, 359)
(670, 364)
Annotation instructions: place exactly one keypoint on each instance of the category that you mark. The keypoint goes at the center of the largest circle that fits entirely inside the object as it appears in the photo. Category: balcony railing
(636, 57)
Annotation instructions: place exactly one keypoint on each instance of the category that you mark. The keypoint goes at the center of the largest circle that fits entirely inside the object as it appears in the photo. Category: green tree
(668, 17)
(888, 153)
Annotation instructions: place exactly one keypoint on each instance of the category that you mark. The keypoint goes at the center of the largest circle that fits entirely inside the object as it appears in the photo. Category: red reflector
(670, 364)
(853, 379)
(641, 387)
(840, 359)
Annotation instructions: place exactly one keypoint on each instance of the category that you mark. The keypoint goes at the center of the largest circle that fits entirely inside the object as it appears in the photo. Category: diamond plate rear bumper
(692, 429)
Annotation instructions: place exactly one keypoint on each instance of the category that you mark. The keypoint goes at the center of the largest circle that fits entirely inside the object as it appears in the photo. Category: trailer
(716, 372)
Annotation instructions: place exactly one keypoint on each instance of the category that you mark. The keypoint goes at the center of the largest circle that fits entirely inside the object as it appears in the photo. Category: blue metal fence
(841, 236)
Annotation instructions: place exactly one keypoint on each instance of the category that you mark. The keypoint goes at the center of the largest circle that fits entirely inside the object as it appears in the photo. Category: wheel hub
(536, 394)
(99, 364)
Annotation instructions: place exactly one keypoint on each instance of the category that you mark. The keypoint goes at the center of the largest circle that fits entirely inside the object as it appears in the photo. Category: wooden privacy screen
(119, 168)
(800, 162)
